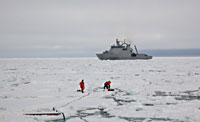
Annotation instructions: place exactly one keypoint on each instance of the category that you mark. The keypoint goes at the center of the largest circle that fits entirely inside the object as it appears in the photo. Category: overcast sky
(59, 28)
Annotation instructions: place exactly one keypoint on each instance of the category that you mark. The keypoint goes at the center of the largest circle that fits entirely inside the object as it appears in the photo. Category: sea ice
(161, 89)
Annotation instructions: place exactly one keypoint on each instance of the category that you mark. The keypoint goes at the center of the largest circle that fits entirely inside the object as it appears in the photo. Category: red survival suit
(107, 84)
(82, 86)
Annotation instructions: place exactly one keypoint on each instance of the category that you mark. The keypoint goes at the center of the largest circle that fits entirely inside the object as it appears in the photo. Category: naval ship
(122, 51)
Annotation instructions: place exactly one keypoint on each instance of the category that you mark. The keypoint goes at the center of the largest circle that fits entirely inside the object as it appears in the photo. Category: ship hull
(117, 57)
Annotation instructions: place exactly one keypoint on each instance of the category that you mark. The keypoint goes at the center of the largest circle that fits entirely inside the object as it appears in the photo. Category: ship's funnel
(136, 49)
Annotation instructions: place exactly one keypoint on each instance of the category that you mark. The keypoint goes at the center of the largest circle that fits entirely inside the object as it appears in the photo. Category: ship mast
(117, 41)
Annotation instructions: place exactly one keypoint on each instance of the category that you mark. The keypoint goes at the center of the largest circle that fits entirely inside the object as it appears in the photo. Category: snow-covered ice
(162, 89)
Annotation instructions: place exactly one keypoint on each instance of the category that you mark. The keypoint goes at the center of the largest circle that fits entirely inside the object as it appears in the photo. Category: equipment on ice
(47, 116)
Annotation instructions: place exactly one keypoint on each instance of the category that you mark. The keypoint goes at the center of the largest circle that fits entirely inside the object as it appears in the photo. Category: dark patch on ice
(11, 69)
(189, 74)
(148, 104)
(141, 119)
(133, 119)
(97, 111)
(190, 91)
(167, 81)
(137, 74)
(69, 79)
(171, 103)
(139, 109)
(105, 114)
(127, 94)
(84, 120)
(61, 120)
(96, 89)
(59, 89)
(180, 75)
(22, 79)
(187, 97)
(160, 93)
(15, 85)
(120, 101)
(157, 70)
(181, 82)
(27, 82)
(114, 77)
(4, 97)
(123, 93)
(119, 90)
(44, 68)
(161, 119)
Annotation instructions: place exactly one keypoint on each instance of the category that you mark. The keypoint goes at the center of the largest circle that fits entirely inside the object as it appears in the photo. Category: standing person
(82, 85)
(107, 85)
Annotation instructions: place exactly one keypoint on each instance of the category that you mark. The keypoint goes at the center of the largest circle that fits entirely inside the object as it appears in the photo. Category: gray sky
(64, 28)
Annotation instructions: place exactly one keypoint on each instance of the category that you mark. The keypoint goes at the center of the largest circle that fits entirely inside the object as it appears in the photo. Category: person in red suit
(82, 85)
(107, 85)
